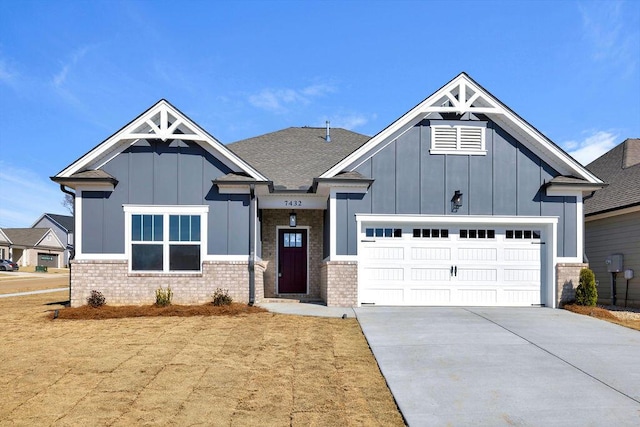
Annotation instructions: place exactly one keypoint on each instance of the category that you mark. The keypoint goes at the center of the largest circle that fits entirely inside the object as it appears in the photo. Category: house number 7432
(294, 203)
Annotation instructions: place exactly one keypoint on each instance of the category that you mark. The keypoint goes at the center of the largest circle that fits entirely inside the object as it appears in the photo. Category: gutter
(252, 250)
(72, 253)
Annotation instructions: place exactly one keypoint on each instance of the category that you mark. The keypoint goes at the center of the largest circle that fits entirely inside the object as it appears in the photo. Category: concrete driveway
(505, 366)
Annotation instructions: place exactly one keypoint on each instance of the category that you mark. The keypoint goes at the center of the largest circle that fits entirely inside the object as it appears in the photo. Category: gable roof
(65, 222)
(463, 95)
(293, 157)
(30, 237)
(620, 168)
(161, 121)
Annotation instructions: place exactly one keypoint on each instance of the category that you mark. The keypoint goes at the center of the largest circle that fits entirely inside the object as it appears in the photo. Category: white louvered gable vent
(451, 139)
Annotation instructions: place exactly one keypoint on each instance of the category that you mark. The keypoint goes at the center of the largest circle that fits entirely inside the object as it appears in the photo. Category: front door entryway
(292, 261)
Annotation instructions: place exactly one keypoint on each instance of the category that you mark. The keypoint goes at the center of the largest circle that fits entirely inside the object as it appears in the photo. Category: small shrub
(586, 292)
(163, 297)
(221, 297)
(96, 299)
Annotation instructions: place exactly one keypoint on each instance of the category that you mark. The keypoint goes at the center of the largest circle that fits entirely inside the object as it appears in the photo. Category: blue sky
(74, 72)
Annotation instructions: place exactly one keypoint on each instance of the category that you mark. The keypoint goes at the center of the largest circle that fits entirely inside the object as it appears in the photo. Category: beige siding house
(612, 224)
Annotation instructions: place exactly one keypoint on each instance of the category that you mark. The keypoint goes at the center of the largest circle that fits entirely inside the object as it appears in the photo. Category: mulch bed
(597, 312)
(87, 312)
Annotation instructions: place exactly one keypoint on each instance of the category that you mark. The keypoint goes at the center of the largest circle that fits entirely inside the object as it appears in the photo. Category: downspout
(252, 249)
(72, 253)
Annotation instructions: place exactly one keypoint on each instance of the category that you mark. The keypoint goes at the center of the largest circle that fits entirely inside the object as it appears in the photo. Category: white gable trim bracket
(463, 95)
(164, 122)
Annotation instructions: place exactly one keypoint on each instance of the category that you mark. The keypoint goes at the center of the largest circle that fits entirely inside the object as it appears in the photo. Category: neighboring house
(612, 222)
(458, 202)
(32, 246)
(5, 245)
(62, 225)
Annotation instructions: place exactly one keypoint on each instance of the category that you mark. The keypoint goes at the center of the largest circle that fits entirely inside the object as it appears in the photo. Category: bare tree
(67, 202)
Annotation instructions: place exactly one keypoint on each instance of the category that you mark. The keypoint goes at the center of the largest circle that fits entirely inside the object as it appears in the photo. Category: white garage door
(451, 265)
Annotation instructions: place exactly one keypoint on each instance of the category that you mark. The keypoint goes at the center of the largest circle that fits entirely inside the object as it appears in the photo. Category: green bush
(221, 297)
(96, 299)
(586, 292)
(163, 297)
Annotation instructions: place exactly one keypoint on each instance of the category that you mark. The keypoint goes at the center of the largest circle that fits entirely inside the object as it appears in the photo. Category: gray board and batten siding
(409, 180)
(152, 172)
(617, 234)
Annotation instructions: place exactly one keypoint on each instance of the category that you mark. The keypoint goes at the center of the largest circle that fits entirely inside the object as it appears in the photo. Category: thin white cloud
(280, 100)
(350, 121)
(8, 75)
(61, 77)
(591, 147)
(26, 196)
(613, 37)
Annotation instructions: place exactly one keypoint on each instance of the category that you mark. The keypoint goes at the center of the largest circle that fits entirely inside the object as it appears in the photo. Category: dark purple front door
(292, 261)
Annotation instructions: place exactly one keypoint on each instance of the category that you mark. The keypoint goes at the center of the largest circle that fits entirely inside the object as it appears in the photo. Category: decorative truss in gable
(160, 122)
(460, 97)
(163, 124)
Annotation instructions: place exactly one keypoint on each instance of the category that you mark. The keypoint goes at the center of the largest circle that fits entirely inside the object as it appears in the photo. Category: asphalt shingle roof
(65, 221)
(292, 157)
(25, 236)
(620, 168)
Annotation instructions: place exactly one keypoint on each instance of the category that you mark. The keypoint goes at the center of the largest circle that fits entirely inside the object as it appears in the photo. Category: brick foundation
(567, 280)
(339, 283)
(111, 277)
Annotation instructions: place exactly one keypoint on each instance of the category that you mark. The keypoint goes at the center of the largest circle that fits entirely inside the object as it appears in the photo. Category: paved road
(18, 281)
(506, 366)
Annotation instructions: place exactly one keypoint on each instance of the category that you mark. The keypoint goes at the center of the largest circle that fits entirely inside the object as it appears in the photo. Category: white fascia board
(169, 209)
(495, 110)
(5, 238)
(325, 188)
(233, 189)
(549, 152)
(116, 143)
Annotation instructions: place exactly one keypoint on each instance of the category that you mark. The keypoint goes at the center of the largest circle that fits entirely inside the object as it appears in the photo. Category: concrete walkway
(41, 291)
(307, 309)
(505, 366)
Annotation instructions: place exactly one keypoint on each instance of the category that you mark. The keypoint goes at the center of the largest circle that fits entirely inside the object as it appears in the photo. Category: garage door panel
(520, 254)
(430, 254)
(430, 296)
(478, 296)
(384, 274)
(477, 275)
(430, 274)
(385, 253)
(522, 275)
(477, 254)
(520, 297)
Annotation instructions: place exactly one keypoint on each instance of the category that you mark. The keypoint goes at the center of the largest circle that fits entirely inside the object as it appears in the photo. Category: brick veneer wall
(567, 280)
(271, 218)
(111, 277)
(339, 283)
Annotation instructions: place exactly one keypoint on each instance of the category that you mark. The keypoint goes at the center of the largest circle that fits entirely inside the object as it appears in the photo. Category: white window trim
(458, 151)
(166, 211)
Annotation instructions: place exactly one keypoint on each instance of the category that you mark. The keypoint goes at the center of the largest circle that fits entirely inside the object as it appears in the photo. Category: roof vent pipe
(328, 137)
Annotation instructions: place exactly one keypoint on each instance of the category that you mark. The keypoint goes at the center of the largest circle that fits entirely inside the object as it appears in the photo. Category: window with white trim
(457, 139)
(171, 241)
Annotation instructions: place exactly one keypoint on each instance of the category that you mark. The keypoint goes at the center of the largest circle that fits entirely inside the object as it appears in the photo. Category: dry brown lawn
(250, 369)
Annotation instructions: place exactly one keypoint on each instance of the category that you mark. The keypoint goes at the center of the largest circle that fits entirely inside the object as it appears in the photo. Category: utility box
(614, 263)
(628, 274)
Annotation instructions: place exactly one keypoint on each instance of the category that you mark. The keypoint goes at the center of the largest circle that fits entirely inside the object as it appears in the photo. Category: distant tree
(67, 202)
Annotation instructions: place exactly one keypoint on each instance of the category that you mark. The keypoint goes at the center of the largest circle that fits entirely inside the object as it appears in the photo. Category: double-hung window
(166, 238)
